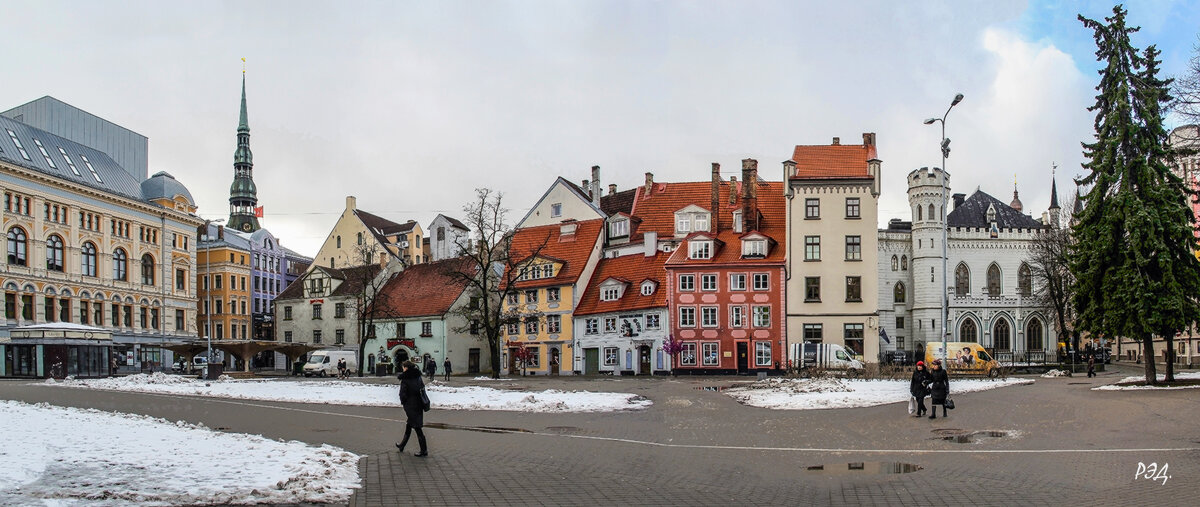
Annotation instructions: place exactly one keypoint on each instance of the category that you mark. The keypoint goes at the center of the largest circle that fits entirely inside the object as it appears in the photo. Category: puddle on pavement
(564, 429)
(1079, 383)
(712, 388)
(970, 437)
(863, 468)
(482, 429)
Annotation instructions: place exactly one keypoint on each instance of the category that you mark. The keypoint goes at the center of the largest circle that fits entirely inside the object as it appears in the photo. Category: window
(708, 282)
(316, 311)
(647, 288)
(554, 324)
(287, 313)
(813, 333)
(754, 248)
(968, 332)
(591, 326)
(54, 253)
(1033, 335)
(762, 281)
(217, 280)
(116, 315)
(708, 316)
(1025, 280)
(700, 249)
(812, 248)
(535, 357)
(962, 280)
(762, 353)
(553, 295)
(513, 328)
(737, 282)
(154, 319)
(699, 221)
(338, 240)
(687, 282)
(852, 207)
(618, 228)
(147, 270)
(401, 330)
(427, 328)
(556, 210)
(898, 293)
(993, 280)
(64, 310)
(512, 299)
(903, 263)
(179, 320)
(687, 316)
(316, 334)
(24, 154)
(737, 316)
(287, 336)
(531, 297)
(853, 336)
(812, 289)
(610, 293)
(1000, 335)
(762, 316)
(441, 233)
(339, 310)
(709, 352)
(652, 321)
(687, 355)
(812, 209)
(895, 263)
(360, 238)
(737, 221)
(899, 322)
(610, 356)
(17, 243)
(84, 312)
(853, 289)
(854, 248)
(45, 154)
(610, 324)
(531, 325)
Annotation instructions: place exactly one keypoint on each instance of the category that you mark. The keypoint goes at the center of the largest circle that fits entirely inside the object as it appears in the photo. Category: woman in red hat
(917, 387)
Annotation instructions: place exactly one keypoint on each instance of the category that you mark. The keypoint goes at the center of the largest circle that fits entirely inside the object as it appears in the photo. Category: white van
(826, 355)
(324, 362)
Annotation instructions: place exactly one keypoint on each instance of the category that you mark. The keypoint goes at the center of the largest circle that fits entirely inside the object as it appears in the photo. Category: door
(591, 361)
(512, 362)
(644, 360)
(743, 358)
(554, 361)
(473, 361)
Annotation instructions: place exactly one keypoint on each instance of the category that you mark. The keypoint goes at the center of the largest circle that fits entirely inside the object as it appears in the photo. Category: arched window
(967, 332)
(898, 292)
(147, 270)
(903, 263)
(920, 210)
(360, 238)
(1001, 335)
(88, 259)
(17, 243)
(120, 265)
(895, 263)
(993, 280)
(1033, 335)
(932, 214)
(962, 280)
(54, 253)
(1025, 280)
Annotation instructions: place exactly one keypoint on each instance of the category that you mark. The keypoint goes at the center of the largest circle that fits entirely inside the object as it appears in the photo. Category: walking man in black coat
(412, 396)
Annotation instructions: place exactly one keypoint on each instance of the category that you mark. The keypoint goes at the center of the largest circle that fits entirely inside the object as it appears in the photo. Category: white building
(621, 322)
(446, 236)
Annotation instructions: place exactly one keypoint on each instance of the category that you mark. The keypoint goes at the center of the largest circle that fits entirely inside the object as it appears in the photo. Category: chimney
(351, 202)
(868, 139)
(716, 198)
(733, 189)
(221, 231)
(650, 241)
(958, 200)
(612, 189)
(596, 185)
(649, 183)
(587, 188)
(749, 182)
(837, 141)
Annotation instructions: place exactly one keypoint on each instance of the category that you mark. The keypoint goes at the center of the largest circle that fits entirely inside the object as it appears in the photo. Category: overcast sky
(411, 105)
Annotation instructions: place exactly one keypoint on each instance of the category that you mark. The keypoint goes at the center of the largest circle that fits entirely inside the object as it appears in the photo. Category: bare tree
(1186, 92)
(493, 271)
(1053, 285)
(367, 275)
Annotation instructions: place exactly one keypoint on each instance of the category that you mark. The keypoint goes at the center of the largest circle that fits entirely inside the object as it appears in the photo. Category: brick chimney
(649, 184)
(868, 139)
(587, 188)
(221, 231)
(733, 189)
(351, 202)
(837, 141)
(612, 189)
(596, 185)
(749, 192)
(716, 198)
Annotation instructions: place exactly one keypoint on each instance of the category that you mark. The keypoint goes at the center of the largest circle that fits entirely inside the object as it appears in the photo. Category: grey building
(127, 148)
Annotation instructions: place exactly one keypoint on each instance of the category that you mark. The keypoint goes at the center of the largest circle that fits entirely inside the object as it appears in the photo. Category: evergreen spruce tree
(1133, 256)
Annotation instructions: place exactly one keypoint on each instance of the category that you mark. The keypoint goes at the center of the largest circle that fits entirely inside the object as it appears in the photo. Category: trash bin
(213, 371)
(298, 368)
(381, 370)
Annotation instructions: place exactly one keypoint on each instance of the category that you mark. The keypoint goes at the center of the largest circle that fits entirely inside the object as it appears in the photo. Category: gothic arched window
(919, 213)
(1001, 334)
(903, 263)
(962, 280)
(1025, 280)
(1033, 335)
(895, 263)
(898, 293)
(993, 280)
(932, 214)
(967, 332)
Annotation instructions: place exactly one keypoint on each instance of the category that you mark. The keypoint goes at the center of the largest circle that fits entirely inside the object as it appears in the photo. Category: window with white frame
(699, 221)
(762, 353)
(610, 293)
(737, 281)
(683, 223)
(754, 248)
(553, 295)
(610, 324)
(531, 325)
(687, 316)
(687, 282)
(554, 324)
(737, 316)
(535, 357)
(531, 297)
(708, 282)
(610, 356)
(591, 326)
(700, 249)
(709, 351)
(648, 288)
(652, 321)
(687, 355)
(618, 228)
(556, 210)
(512, 299)
(762, 281)
(708, 316)
(762, 316)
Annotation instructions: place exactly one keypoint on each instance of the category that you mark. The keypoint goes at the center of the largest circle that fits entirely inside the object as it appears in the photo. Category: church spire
(243, 194)
(1053, 187)
(243, 122)
(1016, 202)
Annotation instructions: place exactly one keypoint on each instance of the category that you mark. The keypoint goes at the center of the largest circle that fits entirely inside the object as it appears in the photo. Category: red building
(726, 278)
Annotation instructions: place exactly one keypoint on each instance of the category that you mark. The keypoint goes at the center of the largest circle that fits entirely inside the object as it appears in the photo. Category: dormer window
(700, 222)
(683, 224)
(567, 229)
(991, 213)
(737, 221)
(700, 249)
(618, 228)
(610, 293)
(648, 288)
(691, 219)
(537, 272)
(754, 248)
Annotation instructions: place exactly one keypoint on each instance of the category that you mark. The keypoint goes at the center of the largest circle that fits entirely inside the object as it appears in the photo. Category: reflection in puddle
(713, 388)
(482, 429)
(864, 468)
(974, 436)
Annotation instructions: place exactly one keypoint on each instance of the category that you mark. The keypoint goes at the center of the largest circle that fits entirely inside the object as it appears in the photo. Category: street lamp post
(207, 296)
(945, 144)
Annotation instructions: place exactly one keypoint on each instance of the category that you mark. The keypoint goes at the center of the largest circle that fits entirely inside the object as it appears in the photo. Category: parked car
(196, 367)
(324, 362)
(827, 355)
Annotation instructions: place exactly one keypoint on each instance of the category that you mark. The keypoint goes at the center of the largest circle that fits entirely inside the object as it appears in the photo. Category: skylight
(92, 169)
(17, 142)
(45, 153)
(69, 162)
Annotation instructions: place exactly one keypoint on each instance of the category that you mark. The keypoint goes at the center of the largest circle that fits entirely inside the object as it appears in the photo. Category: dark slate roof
(454, 222)
(620, 202)
(114, 178)
(973, 213)
(163, 185)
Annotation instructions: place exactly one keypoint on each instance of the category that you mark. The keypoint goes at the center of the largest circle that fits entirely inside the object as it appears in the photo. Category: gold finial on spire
(243, 65)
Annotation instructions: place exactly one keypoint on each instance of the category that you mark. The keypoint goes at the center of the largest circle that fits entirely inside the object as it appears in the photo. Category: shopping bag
(949, 404)
(912, 405)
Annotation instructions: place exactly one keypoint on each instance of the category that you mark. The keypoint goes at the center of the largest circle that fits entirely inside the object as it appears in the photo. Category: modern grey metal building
(128, 148)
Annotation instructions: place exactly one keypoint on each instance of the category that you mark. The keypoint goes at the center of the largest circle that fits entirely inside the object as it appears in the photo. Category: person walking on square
(939, 388)
(430, 367)
(446, 367)
(917, 387)
(412, 398)
(1091, 365)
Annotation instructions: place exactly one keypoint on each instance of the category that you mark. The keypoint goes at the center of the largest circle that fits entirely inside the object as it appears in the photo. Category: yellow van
(967, 358)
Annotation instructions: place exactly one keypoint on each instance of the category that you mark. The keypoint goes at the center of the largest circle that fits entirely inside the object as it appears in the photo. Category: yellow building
(360, 238)
(224, 289)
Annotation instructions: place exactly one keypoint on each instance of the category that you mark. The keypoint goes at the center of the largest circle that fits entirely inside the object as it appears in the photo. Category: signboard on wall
(407, 342)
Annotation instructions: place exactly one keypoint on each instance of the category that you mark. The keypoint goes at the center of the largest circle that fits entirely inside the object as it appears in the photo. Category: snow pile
(55, 455)
(805, 394)
(335, 392)
(1142, 378)
(1054, 373)
(490, 378)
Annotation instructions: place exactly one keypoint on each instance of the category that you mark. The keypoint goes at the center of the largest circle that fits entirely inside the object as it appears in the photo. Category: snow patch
(807, 394)
(1142, 378)
(1054, 373)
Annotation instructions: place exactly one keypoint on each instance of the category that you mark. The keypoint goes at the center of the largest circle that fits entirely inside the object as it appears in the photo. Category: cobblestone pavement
(699, 447)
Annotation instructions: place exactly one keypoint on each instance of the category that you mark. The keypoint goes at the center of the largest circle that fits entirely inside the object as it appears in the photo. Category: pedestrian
(430, 367)
(939, 388)
(917, 387)
(1091, 365)
(446, 367)
(412, 398)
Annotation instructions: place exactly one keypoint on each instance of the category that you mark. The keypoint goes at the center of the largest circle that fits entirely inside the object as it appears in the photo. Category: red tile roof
(633, 269)
(657, 209)
(424, 289)
(773, 225)
(840, 161)
(546, 241)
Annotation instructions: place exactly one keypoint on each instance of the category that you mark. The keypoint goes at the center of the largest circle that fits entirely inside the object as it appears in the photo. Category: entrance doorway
(512, 361)
(644, 360)
(473, 361)
(554, 360)
(743, 358)
(591, 361)
(401, 356)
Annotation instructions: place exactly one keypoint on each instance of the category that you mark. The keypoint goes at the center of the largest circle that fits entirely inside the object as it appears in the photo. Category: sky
(410, 106)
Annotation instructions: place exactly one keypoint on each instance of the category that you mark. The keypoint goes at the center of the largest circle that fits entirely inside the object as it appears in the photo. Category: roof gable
(833, 161)
(973, 213)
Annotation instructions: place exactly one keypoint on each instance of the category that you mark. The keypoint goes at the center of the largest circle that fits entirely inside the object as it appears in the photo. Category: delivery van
(826, 355)
(324, 362)
(963, 358)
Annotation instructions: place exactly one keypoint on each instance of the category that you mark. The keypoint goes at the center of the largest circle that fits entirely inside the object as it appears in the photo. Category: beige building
(832, 199)
(360, 238)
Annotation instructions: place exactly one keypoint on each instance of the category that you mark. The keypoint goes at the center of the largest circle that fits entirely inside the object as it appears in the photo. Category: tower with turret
(927, 198)
(243, 195)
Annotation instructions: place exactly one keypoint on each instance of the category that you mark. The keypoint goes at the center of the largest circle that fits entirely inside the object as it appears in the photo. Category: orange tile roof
(424, 289)
(839, 161)
(546, 241)
(633, 269)
(657, 209)
(772, 207)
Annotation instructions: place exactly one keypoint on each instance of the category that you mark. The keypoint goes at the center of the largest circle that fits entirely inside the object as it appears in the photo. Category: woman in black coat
(939, 388)
(917, 387)
(414, 407)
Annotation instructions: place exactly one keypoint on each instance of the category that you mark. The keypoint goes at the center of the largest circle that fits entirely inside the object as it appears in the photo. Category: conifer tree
(1133, 255)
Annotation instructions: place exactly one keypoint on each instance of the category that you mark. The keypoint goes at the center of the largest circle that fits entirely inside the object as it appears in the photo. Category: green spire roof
(243, 123)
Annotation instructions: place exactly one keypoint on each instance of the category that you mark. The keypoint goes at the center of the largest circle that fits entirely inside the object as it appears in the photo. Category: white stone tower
(927, 199)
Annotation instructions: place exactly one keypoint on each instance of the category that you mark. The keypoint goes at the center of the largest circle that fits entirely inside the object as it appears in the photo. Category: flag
(884, 336)
(258, 211)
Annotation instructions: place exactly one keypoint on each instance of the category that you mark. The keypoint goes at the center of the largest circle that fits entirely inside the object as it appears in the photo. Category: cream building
(360, 238)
